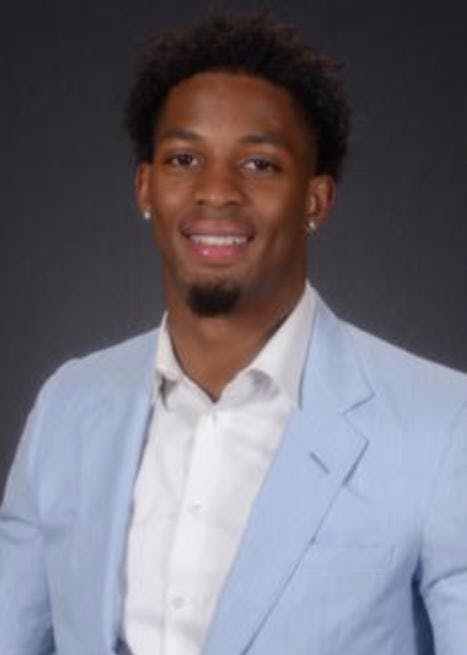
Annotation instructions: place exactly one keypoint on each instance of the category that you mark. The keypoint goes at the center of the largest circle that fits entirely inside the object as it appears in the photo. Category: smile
(219, 249)
(218, 240)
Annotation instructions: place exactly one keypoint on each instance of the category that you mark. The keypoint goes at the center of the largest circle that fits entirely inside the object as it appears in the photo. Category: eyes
(251, 164)
(182, 160)
(261, 165)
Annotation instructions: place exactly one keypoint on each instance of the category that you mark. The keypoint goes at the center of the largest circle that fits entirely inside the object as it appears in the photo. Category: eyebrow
(255, 138)
(268, 138)
(179, 133)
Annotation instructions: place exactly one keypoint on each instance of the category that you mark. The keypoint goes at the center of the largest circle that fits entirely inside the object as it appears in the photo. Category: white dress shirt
(202, 467)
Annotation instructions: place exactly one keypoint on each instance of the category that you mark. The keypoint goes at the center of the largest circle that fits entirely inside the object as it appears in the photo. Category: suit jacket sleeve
(444, 547)
(25, 617)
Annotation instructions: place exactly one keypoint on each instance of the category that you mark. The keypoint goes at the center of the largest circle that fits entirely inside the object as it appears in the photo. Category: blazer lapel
(112, 438)
(318, 451)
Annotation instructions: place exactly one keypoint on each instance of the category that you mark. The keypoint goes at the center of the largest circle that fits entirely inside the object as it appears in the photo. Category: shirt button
(194, 508)
(211, 417)
(177, 602)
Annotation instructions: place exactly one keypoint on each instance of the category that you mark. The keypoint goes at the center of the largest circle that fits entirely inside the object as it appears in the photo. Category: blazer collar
(321, 446)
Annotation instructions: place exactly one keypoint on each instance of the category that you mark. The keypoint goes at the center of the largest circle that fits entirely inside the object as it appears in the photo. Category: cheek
(163, 226)
(158, 234)
(281, 202)
(283, 215)
(169, 196)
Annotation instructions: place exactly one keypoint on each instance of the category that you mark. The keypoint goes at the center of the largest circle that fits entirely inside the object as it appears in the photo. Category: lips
(216, 242)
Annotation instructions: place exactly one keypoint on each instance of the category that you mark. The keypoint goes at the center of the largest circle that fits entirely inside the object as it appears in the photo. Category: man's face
(231, 188)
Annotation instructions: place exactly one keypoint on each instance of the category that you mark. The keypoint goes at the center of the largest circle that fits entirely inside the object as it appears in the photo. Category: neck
(213, 350)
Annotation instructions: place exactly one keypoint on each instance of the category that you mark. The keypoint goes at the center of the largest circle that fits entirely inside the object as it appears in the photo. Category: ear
(321, 194)
(142, 186)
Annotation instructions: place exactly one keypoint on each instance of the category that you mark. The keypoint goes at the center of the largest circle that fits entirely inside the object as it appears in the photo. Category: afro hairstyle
(257, 44)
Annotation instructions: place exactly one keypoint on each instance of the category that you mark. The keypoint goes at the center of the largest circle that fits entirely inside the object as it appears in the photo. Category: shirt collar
(167, 366)
(281, 359)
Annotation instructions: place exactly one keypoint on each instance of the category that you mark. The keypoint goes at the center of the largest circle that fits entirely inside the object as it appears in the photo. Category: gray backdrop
(78, 269)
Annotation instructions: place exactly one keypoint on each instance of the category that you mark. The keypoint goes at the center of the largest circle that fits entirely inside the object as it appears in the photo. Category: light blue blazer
(356, 543)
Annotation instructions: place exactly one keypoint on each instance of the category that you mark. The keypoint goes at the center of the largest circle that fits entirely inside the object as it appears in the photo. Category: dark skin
(230, 189)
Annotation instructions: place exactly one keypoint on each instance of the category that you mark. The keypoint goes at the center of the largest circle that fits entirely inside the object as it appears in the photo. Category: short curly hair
(256, 44)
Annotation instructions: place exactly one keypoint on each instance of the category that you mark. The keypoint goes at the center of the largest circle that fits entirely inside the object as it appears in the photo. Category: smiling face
(230, 190)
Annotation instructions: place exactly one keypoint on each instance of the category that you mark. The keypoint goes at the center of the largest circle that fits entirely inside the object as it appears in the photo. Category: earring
(311, 226)
(147, 215)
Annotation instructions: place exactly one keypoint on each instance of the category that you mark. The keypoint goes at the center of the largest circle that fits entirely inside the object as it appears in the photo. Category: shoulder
(80, 401)
(125, 366)
(405, 379)
(354, 363)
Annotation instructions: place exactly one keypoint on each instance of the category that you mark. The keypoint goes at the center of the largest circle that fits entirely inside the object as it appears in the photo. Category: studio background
(78, 269)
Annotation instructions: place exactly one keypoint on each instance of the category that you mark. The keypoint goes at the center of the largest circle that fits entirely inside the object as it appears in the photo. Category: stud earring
(147, 215)
(311, 226)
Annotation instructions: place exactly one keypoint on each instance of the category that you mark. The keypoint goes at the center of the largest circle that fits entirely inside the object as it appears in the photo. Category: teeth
(211, 240)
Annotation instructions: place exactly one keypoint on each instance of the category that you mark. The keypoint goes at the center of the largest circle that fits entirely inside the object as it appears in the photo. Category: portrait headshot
(234, 274)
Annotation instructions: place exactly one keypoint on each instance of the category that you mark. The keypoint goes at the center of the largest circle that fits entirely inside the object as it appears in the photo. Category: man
(277, 481)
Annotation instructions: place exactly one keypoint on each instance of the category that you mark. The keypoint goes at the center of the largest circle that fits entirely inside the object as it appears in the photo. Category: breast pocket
(349, 558)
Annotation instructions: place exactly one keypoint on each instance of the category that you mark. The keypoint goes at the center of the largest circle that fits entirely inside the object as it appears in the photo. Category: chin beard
(213, 299)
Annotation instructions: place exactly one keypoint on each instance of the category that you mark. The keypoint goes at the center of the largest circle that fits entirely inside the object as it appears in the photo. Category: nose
(217, 187)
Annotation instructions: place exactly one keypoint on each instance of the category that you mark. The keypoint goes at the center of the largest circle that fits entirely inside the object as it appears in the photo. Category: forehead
(220, 102)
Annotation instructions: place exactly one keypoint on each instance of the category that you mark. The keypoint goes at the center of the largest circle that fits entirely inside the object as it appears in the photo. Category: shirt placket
(185, 583)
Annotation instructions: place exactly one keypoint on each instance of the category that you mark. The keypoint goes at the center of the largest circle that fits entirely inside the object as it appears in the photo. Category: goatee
(213, 299)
